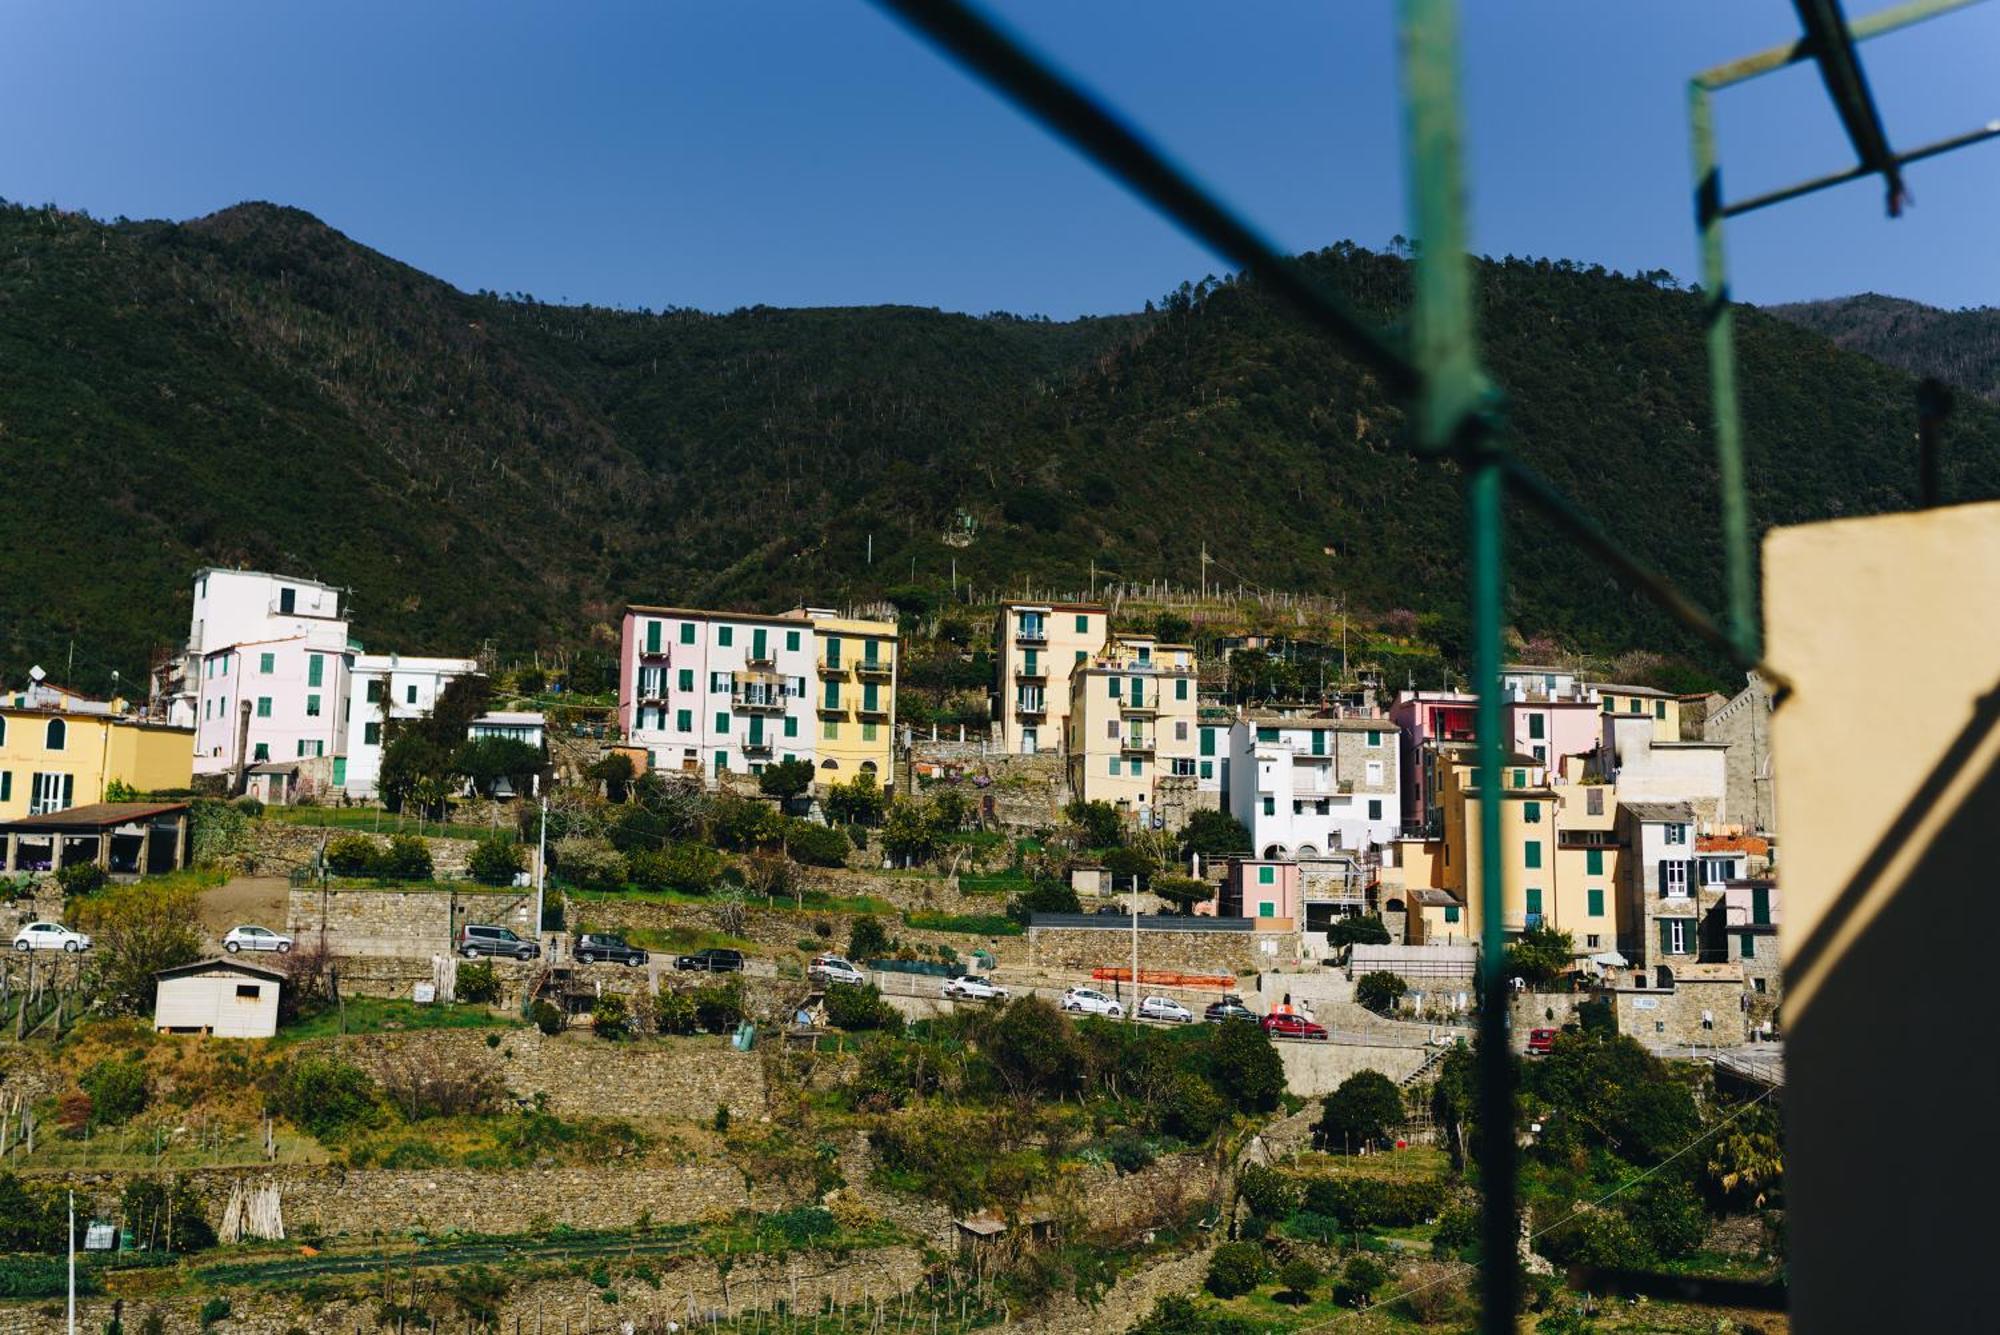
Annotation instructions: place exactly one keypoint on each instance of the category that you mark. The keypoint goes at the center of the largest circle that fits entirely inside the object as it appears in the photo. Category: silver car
(1165, 1008)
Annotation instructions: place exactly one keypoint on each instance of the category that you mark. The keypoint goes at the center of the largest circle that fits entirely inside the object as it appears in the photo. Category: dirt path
(244, 899)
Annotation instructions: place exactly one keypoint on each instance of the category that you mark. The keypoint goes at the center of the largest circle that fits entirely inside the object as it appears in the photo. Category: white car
(255, 938)
(829, 969)
(50, 936)
(1165, 1008)
(1089, 1001)
(971, 987)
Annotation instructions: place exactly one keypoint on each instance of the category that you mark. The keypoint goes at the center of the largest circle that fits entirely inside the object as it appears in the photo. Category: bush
(1099, 825)
(138, 930)
(1190, 1110)
(1366, 1202)
(1365, 930)
(816, 845)
(1300, 1277)
(214, 1310)
(408, 859)
(1190, 1316)
(1600, 1239)
(44, 1277)
(1267, 1192)
(786, 779)
(1236, 1268)
(1380, 991)
(1668, 1215)
(352, 855)
(1358, 1282)
(1457, 1229)
(478, 983)
(496, 861)
(742, 824)
(1214, 832)
(689, 868)
(868, 939)
(1244, 1065)
(250, 806)
(30, 1221)
(856, 802)
(82, 878)
(1183, 892)
(327, 1096)
(1365, 1108)
(858, 835)
(718, 1006)
(1043, 897)
(589, 863)
(611, 1017)
(856, 1009)
(117, 1090)
(676, 1013)
(1128, 1152)
(547, 1018)
(1130, 863)
(165, 1216)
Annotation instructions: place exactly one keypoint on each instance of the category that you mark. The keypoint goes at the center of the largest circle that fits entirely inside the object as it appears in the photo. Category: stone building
(1743, 725)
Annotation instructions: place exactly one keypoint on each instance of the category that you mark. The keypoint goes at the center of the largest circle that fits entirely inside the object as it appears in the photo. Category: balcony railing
(1031, 635)
(757, 704)
(833, 667)
(879, 709)
(1031, 708)
(659, 652)
(831, 709)
(1136, 745)
(767, 660)
(1132, 707)
(874, 667)
(757, 746)
(1036, 673)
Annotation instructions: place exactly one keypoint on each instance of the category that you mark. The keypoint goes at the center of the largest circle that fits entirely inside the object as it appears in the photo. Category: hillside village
(1095, 1002)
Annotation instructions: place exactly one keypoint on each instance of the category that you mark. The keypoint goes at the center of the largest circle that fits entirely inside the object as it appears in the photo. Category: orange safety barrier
(1165, 978)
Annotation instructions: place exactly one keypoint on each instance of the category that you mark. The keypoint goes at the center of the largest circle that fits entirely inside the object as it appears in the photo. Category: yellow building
(1663, 706)
(1132, 723)
(51, 760)
(1558, 836)
(857, 729)
(1038, 644)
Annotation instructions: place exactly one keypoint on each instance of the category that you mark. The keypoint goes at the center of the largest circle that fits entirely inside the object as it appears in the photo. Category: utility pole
(1132, 1009)
(1204, 571)
(541, 865)
(72, 1263)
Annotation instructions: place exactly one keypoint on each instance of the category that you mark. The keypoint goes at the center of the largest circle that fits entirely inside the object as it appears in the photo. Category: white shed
(228, 998)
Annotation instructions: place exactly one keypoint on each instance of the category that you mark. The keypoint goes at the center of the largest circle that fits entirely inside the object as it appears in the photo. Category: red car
(1541, 1042)
(1293, 1026)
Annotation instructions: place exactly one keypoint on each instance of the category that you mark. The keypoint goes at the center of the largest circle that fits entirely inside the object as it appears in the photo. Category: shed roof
(1655, 812)
(98, 816)
(222, 966)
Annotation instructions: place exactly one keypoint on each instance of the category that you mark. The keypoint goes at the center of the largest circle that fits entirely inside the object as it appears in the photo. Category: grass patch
(813, 901)
(995, 883)
(682, 940)
(1419, 1163)
(971, 924)
(376, 1015)
(374, 820)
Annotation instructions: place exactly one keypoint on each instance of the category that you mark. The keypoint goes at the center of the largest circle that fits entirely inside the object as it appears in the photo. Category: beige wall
(1884, 628)
(1170, 705)
(96, 749)
(1070, 629)
(851, 747)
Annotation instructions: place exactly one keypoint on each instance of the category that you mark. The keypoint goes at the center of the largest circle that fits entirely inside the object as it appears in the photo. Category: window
(267, 664)
(1451, 913)
(1537, 726)
(870, 697)
(312, 706)
(6, 785)
(792, 726)
(1111, 729)
(372, 693)
(371, 734)
(1208, 741)
(1116, 768)
(1594, 903)
(1266, 909)
(409, 694)
(1531, 812)
(1746, 945)
(1267, 876)
(1112, 682)
(760, 640)
(1208, 769)
(1267, 734)
(1319, 741)
(1520, 778)
(1637, 708)
(1758, 984)
(1673, 878)
(208, 709)
(1677, 834)
(1532, 853)
(1593, 941)
(722, 724)
(1760, 905)
(791, 641)
(1593, 861)
(1083, 625)
(1180, 730)
(1180, 689)
(1183, 768)
(684, 720)
(316, 670)
(652, 637)
(1270, 806)
(1138, 767)
(871, 652)
(721, 762)
(718, 683)
(57, 736)
(684, 679)
(830, 730)
(833, 695)
(1374, 737)
(1593, 801)
(262, 751)
(50, 792)
(687, 632)
(1374, 808)
(1659, 709)
(263, 706)
(868, 731)
(1535, 901)
(725, 636)
(288, 601)
(1674, 936)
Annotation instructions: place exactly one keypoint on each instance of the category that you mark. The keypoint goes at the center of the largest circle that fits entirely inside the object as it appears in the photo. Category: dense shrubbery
(718, 1005)
(478, 982)
(496, 861)
(816, 845)
(118, 1090)
(860, 1008)
(407, 858)
(1043, 897)
(1212, 833)
(1235, 1269)
(1380, 991)
(1365, 1109)
(326, 1096)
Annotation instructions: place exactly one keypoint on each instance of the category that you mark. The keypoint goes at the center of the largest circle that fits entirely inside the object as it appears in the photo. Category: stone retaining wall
(276, 845)
(416, 922)
(1081, 949)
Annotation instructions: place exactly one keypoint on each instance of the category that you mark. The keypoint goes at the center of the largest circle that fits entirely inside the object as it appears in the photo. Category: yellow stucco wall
(850, 746)
(95, 751)
(1170, 690)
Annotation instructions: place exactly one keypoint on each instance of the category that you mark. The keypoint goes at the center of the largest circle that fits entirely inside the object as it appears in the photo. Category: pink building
(1264, 890)
(1426, 720)
(1550, 730)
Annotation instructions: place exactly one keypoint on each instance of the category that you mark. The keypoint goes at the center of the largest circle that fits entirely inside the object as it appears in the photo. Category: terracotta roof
(1731, 843)
(96, 816)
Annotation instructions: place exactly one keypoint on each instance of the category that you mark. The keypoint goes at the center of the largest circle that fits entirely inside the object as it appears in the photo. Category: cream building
(1132, 723)
(1039, 643)
(855, 675)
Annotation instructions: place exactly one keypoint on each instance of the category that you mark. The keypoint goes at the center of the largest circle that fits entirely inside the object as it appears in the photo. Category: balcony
(767, 661)
(654, 653)
(879, 709)
(757, 702)
(1036, 673)
(874, 669)
(833, 667)
(757, 746)
(1031, 635)
(1035, 708)
(1137, 746)
(831, 708)
(1139, 708)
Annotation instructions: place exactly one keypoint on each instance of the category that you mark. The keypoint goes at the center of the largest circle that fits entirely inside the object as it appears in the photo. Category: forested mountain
(1959, 347)
(254, 388)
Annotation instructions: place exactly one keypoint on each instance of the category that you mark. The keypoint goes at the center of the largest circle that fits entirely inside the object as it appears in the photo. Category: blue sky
(810, 152)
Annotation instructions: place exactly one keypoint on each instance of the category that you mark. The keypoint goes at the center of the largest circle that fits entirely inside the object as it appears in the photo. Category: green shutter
(340, 771)
(760, 640)
(833, 695)
(1533, 850)
(1451, 913)
(1659, 709)
(1266, 909)
(1531, 812)
(267, 663)
(687, 679)
(725, 636)
(1746, 943)
(687, 632)
(1520, 778)
(1083, 625)
(263, 706)
(1596, 902)
(1180, 688)
(1319, 741)
(1208, 741)
(652, 637)
(1593, 861)
(1114, 767)
(684, 720)
(869, 696)
(6, 784)
(722, 724)
(1267, 734)
(1534, 900)
(1760, 905)
(1374, 737)
(1536, 726)
(1208, 769)
(791, 726)
(1267, 876)
(1112, 682)
(791, 641)
(315, 669)
(1270, 806)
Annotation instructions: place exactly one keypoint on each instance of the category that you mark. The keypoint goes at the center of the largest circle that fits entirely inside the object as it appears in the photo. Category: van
(477, 938)
(1541, 1042)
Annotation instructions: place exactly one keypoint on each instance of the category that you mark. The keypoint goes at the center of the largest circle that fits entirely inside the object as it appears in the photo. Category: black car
(1229, 1008)
(712, 960)
(594, 946)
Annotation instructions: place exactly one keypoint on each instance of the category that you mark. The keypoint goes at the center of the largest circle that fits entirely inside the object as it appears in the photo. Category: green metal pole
(1722, 376)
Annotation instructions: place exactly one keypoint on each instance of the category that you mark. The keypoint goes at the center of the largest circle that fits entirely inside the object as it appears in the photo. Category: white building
(383, 687)
(714, 691)
(229, 998)
(519, 726)
(1307, 786)
(266, 665)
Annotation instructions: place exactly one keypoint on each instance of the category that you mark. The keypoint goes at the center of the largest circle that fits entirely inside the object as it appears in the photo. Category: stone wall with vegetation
(418, 922)
(1081, 949)
(281, 846)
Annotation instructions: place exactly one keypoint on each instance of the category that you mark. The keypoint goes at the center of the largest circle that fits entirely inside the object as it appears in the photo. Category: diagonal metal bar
(1123, 153)
(1791, 53)
(1990, 130)
(1846, 82)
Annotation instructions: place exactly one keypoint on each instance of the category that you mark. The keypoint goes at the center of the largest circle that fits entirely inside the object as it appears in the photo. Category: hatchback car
(1165, 1008)
(1541, 1042)
(1294, 1026)
(1229, 1008)
(247, 937)
(594, 946)
(478, 938)
(1089, 1001)
(829, 969)
(712, 960)
(971, 987)
(50, 936)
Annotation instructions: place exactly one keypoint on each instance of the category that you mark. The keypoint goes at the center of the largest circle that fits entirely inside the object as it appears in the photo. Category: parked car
(1228, 1008)
(1165, 1008)
(478, 938)
(1541, 1042)
(594, 946)
(712, 960)
(1089, 1001)
(1110, 911)
(1294, 1026)
(827, 970)
(971, 987)
(247, 937)
(50, 936)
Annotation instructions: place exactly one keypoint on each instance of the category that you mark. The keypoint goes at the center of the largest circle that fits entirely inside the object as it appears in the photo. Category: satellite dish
(36, 675)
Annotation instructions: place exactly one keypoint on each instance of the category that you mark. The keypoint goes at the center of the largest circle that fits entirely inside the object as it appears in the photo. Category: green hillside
(254, 388)
(1960, 347)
